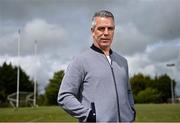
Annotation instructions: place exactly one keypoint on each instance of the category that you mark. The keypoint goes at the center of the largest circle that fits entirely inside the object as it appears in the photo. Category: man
(96, 86)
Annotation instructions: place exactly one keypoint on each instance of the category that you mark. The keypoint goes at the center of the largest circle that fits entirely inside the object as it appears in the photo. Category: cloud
(49, 36)
(164, 52)
(127, 37)
(8, 44)
(143, 23)
(158, 19)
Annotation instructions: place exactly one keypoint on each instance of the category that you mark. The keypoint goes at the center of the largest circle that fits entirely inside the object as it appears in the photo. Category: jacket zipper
(115, 86)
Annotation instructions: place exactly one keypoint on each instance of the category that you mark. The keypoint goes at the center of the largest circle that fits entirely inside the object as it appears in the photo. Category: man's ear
(92, 29)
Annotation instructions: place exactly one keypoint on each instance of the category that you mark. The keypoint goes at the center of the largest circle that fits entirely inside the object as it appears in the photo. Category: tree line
(8, 82)
(145, 88)
(151, 90)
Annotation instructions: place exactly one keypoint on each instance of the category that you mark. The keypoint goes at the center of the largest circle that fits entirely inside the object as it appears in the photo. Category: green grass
(145, 112)
(158, 112)
(39, 114)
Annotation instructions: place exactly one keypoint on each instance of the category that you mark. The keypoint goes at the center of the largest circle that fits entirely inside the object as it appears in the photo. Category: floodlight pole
(35, 79)
(18, 73)
(172, 89)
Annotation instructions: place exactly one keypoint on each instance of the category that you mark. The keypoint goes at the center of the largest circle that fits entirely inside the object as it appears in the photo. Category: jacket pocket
(92, 114)
(133, 111)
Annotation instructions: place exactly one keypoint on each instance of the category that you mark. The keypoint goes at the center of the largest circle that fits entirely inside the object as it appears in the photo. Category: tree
(149, 95)
(8, 81)
(146, 89)
(51, 91)
(163, 84)
(139, 82)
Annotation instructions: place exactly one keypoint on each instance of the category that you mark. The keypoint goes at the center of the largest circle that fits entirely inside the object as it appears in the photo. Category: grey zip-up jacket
(94, 90)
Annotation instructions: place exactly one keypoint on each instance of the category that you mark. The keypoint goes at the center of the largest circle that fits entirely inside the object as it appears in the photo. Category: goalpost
(18, 74)
(35, 79)
(25, 99)
(11, 98)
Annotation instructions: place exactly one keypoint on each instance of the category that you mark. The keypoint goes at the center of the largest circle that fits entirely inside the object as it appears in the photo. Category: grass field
(145, 112)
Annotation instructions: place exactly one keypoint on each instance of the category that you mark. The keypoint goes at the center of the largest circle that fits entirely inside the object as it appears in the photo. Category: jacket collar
(99, 50)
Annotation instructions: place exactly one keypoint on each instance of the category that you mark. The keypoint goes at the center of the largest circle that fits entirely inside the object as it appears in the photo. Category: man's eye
(101, 28)
(111, 28)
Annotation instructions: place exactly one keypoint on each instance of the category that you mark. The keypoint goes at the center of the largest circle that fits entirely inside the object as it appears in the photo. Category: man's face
(103, 32)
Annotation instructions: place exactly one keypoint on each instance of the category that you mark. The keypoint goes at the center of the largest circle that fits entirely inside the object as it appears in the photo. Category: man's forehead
(104, 21)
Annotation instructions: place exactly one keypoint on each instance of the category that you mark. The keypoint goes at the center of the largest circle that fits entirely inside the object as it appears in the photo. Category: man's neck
(107, 51)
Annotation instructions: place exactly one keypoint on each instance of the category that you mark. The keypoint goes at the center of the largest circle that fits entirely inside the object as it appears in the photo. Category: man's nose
(106, 32)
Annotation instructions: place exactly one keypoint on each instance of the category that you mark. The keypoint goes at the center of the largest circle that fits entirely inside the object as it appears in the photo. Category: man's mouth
(105, 39)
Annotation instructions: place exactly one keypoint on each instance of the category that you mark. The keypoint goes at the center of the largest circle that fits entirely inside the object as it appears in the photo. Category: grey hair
(101, 13)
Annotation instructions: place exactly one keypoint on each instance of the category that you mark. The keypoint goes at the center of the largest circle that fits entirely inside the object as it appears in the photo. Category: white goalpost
(18, 74)
(28, 97)
(35, 79)
(25, 99)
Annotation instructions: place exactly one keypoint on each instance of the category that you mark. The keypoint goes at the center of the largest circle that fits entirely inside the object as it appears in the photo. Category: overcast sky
(147, 34)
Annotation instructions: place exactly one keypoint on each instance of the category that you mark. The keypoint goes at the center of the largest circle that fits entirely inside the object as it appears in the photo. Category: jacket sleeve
(69, 89)
(130, 95)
